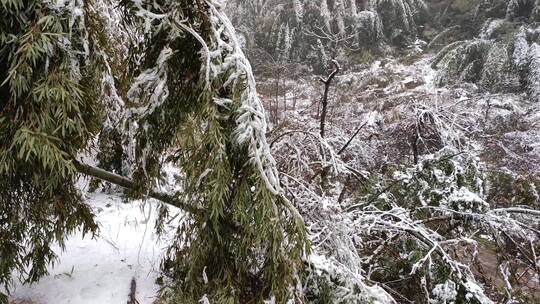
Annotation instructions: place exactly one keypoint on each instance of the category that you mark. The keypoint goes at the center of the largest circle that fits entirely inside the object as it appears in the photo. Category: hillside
(270, 151)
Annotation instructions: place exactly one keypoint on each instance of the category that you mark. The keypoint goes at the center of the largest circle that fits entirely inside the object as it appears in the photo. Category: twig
(351, 139)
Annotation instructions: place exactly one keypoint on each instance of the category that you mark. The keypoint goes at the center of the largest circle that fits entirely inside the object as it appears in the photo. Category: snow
(521, 49)
(464, 195)
(445, 293)
(298, 10)
(153, 82)
(490, 28)
(534, 74)
(371, 294)
(251, 120)
(100, 270)
(475, 291)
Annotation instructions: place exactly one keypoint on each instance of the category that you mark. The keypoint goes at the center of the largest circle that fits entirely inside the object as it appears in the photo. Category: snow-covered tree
(48, 113)
(399, 17)
(502, 59)
(283, 47)
(342, 26)
(196, 87)
(188, 97)
(399, 200)
(322, 57)
(522, 9)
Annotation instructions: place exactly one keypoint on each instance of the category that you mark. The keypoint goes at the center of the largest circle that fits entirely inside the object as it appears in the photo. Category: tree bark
(327, 82)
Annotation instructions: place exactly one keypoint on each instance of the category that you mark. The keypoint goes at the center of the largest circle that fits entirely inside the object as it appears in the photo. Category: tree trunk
(129, 184)
(327, 82)
(276, 106)
(285, 98)
(294, 99)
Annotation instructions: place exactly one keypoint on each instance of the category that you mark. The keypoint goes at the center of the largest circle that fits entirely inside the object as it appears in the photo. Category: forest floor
(100, 270)
(384, 100)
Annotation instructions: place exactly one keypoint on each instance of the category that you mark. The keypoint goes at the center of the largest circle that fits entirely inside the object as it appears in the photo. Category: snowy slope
(100, 270)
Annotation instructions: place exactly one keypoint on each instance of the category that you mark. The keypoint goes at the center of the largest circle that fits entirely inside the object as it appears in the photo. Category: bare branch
(327, 82)
(129, 184)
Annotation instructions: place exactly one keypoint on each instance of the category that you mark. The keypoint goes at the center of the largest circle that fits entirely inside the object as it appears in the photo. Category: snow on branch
(251, 129)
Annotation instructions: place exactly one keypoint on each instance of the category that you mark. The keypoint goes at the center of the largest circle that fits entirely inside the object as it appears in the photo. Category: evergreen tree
(192, 102)
(196, 87)
(48, 112)
(399, 18)
(343, 26)
(322, 58)
(284, 45)
(503, 58)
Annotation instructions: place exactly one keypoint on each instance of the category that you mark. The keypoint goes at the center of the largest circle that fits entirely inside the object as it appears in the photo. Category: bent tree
(184, 93)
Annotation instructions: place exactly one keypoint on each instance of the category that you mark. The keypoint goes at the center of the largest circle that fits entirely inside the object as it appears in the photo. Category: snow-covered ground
(100, 270)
